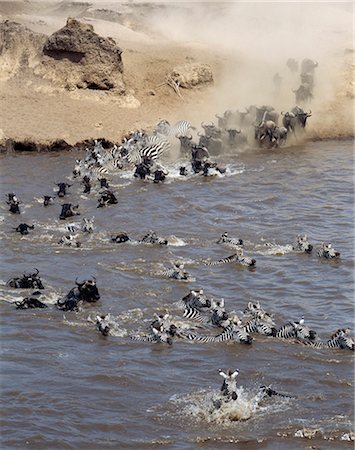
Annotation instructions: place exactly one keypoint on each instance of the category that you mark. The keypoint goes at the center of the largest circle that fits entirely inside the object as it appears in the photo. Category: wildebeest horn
(212, 124)
(37, 272)
(77, 283)
(202, 125)
(94, 279)
(310, 112)
(218, 117)
(282, 113)
(199, 134)
(238, 132)
(189, 137)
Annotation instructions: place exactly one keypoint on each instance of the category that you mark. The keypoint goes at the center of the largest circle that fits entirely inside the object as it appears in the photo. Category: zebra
(340, 339)
(328, 252)
(181, 128)
(156, 336)
(287, 331)
(152, 238)
(234, 332)
(236, 257)
(103, 324)
(224, 239)
(302, 244)
(150, 152)
(257, 326)
(303, 332)
(229, 386)
(176, 272)
(69, 240)
(193, 314)
(257, 312)
(87, 226)
(195, 299)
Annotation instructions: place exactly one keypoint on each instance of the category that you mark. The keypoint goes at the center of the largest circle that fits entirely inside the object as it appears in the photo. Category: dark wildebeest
(142, 170)
(292, 64)
(104, 183)
(68, 211)
(85, 291)
(13, 203)
(62, 189)
(120, 237)
(87, 184)
(23, 228)
(27, 281)
(47, 200)
(31, 302)
(303, 94)
(107, 198)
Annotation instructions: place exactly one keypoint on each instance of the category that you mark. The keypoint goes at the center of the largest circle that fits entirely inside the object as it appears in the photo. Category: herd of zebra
(235, 129)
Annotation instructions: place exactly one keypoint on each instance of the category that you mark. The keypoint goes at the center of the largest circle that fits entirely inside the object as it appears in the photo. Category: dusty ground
(37, 109)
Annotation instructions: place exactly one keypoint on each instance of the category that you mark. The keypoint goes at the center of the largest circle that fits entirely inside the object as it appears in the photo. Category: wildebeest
(23, 228)
(303, 94)
(27, 281)
(264, 132)
(143, 169)
(13, 203)
(292, 64)
(159, 175)
(296, 119)
(87, 184)
(120, 237)
(68, 211)
(47, 199)
(62, 189)
(308, 66)
(107, 198)
(185, 143)
(85, 291)
(31, 302)
(279, 136)
(104, 183)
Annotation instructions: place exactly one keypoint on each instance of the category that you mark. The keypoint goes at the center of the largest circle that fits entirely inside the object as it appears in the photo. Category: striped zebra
(328, 252)
(86, 227)
(302, 244)
(340, 339)
(152, 151)
(196, 299)
(224, 239)
(193, 314)
(287, 331)
(229, 386)
(96, 172)
(257, 326)
(69, 241)
(255, 311)
(235, 333)
(236, 257)
(156, 336)
(181, 128)
(303, 332)
(152, 238)
(196, 338)
(176, 272)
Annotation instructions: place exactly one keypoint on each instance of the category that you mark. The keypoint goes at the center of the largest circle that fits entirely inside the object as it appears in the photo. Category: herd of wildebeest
(142, 152)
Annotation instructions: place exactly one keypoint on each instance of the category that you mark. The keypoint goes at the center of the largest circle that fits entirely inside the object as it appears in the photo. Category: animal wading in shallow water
(176, 272)
(302, 244)
(86, 291)
(107, 198)
(23, 228)
(225, 239)
(152, 238)
(236, 257)
(120, 237)
(328, 252)
(229, 385)
(103, 325)
(27, 281)
(13, 203)
(31, 302)
(47, 200)
(62, 189)
(68, 210)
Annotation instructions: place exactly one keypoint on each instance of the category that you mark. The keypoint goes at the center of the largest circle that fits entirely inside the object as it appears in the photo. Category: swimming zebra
(303, 332)
(255, 311)
(156, 336)
(328, 252)
(257, 326)
(103, 324)
(193, 314)
(229, 386)
(69, 241)
(195, 299)
(302, 244)
(86, 227)
(236, 257)
(176, 272)
(224, 239)
(234, 332)
(287, 331)
(340, 339)
(152, 238)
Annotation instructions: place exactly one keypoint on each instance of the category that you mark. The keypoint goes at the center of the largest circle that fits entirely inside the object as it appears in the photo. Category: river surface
(64, 386)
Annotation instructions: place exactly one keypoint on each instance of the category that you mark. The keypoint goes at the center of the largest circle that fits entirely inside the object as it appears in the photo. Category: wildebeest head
(88, 290)
(23, 228)
(34, 280)
(13, 203)
(47, 200)
(62, 189)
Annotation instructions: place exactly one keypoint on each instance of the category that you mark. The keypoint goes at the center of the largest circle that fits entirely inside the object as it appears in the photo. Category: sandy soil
(36, 109)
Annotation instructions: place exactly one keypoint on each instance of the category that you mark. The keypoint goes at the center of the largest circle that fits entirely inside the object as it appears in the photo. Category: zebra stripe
(192, 313)
(287, 331)
(343, 342)
(221, 261)
(197, 338)
(231, 332)
(256, 326)
(152, 152)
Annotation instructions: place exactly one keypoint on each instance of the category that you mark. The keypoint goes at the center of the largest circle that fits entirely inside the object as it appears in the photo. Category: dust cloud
(254, 41)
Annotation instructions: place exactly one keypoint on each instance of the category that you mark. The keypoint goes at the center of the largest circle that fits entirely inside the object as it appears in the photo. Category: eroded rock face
(191, 75)
(83, 59)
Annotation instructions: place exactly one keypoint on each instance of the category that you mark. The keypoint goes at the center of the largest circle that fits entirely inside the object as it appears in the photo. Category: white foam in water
(273, 249)
(176, 242)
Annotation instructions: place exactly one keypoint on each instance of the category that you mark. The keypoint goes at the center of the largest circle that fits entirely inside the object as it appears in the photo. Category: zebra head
(303, 244)
(88, 226)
